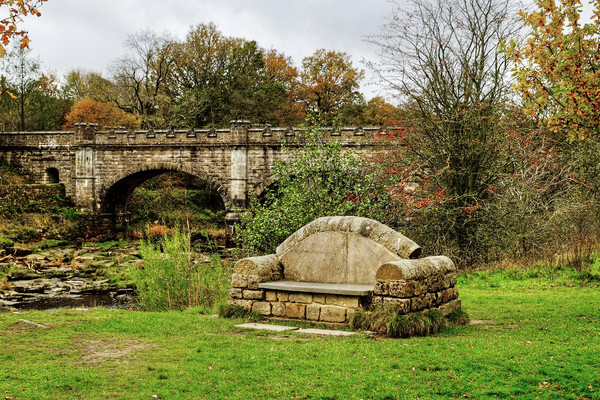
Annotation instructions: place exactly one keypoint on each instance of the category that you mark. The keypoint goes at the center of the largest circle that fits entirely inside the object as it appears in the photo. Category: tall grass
(173, 278)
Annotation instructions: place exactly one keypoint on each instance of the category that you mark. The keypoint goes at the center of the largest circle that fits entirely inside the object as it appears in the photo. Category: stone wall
(313, 307)
(430, 286)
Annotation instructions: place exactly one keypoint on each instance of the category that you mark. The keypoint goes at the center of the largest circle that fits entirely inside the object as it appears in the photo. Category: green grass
(532, 338)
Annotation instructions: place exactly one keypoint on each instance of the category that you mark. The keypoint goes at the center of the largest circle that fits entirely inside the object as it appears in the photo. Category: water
(67, 301)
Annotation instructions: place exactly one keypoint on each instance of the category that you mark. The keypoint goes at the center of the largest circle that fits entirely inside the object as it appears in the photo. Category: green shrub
(387, 321)
(458, 317)
(320, 179)
(233, 311)
(173, 279)
(6, 243)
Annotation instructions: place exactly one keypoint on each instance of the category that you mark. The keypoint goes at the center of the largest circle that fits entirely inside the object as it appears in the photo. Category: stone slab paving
(282, 328)
(329, 332)
(267, 327)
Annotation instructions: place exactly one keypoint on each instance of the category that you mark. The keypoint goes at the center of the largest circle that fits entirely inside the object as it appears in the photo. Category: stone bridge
(101, 168)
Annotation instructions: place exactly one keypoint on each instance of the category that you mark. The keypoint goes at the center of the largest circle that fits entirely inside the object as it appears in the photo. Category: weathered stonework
(315, 290)
(100, 168)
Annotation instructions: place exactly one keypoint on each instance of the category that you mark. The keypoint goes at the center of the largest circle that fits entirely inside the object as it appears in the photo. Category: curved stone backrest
(342, 250)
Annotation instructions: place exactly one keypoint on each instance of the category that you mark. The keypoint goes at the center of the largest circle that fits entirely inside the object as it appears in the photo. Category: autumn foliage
(557, 67)
(104, 114)
(9, 29)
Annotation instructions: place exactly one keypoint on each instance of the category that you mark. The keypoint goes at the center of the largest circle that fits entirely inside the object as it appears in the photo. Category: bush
(320, 179)
(6, 243)
(172, 278)
(386, 321)
(233, 311)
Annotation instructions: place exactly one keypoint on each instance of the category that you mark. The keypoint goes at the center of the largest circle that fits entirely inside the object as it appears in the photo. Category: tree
(48, 107)
(104, 114)
(217, 78)
(142, 74)
(284, 89)
(79, 84)
(23, 77)
(17, 9)
(329, 83)
(442, 60)
(558, 67)
(378, 112)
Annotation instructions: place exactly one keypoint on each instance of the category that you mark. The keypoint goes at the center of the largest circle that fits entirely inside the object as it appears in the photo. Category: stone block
(295, 310)
(313, 312)
(423, 301)
(283, 296)
(271, 295)
(450, 307)
(278, 309)
(344, 301)
(376, 301)
(402, 305)
(448, 294)
(402, 289)
(253, 294)
(434, 283)
(261, 307)
(420, 288)
(238, 280)
(235, 293)
(253, 282)
(333, 314)
(381, 288)
(247, 304)
(450, 280)
(318, 298)
(305, 298)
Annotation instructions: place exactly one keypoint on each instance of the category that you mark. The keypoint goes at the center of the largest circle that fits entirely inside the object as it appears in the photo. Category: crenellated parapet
(252, 134)
(237, 134)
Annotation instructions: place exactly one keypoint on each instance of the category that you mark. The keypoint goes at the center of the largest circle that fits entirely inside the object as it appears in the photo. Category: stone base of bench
(325, 303)
(305, 302)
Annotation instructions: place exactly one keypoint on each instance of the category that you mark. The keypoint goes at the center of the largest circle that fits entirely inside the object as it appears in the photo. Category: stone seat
(334, 266)
(345, 289)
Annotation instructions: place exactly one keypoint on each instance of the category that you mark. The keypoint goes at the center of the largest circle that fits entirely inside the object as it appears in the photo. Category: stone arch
(114, 193)
(261, 186)
(51, 175)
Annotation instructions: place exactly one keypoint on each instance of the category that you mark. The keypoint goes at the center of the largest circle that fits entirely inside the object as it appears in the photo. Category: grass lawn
(531, 338)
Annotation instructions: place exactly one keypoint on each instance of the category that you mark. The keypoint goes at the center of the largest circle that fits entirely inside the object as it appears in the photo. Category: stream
(69, 276)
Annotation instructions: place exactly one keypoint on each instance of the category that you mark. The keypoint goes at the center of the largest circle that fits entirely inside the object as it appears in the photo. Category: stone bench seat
(344, 289)
(334, 266)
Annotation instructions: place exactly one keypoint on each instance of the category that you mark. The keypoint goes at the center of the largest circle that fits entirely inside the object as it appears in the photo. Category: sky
(89, 34)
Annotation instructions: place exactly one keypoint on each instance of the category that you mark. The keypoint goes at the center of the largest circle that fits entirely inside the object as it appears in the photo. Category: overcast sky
(89, 34)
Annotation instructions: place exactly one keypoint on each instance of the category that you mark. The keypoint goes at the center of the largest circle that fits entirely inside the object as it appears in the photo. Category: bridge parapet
(44, 139)
(256, 135)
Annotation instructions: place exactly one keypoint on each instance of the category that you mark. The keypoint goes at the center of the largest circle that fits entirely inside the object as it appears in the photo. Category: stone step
(282, 328)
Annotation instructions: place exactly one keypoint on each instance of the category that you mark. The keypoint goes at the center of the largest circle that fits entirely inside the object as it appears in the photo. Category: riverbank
(69, 275)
